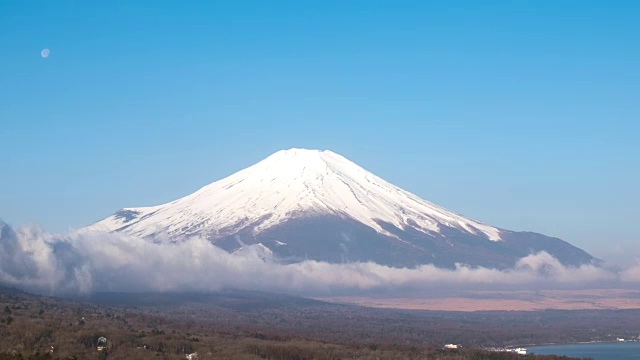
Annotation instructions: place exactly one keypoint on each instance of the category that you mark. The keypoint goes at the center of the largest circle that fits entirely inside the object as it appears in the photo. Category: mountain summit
(308, 204)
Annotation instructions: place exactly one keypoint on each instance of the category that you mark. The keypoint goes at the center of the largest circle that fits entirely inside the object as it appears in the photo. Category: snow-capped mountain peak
(289, 184)
(301, 205)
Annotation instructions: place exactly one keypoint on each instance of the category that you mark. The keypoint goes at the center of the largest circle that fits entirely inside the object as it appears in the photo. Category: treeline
(279, 352)
(34, 327)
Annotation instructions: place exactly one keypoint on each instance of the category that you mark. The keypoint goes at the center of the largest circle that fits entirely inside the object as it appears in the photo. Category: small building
(520, 351)
(102, 343)
(451, 346)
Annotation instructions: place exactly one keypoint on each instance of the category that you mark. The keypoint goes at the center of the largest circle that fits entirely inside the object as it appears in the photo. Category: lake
(597, 351)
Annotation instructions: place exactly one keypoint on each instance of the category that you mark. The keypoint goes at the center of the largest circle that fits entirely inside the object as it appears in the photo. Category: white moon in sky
(45, 53)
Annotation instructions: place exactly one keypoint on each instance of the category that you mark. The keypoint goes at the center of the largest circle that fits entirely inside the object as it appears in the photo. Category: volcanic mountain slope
(307, 204)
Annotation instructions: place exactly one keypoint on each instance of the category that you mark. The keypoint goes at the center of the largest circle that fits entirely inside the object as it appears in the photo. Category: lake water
(597, 351)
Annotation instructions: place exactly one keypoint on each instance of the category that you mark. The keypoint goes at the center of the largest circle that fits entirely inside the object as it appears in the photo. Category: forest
(250, 325)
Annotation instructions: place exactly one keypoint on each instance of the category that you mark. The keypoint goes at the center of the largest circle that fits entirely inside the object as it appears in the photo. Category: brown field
(594, 299)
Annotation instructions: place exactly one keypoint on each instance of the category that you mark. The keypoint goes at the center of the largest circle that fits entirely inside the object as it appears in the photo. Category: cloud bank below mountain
(85, 262)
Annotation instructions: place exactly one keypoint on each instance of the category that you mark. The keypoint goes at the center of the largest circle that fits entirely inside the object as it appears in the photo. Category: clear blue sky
(522, 114)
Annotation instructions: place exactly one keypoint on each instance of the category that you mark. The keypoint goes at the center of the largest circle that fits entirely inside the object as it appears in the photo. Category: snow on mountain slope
(286, 185)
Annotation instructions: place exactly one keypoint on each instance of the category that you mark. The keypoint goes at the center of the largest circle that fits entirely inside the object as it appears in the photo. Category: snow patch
(256, 251)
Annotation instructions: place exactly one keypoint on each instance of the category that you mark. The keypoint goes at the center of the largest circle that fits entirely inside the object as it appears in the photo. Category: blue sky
(521, 114)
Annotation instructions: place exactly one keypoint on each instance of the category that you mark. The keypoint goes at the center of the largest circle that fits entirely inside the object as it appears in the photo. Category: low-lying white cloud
(631, 274)
(83, 262)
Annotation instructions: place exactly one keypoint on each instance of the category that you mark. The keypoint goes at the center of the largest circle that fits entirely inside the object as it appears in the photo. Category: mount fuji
(302, 204)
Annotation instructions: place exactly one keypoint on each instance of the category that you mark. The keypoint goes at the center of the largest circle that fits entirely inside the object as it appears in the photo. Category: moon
(45, 53)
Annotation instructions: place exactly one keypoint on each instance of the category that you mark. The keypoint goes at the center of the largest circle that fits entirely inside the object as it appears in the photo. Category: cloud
(83, 262)
(632, 274)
